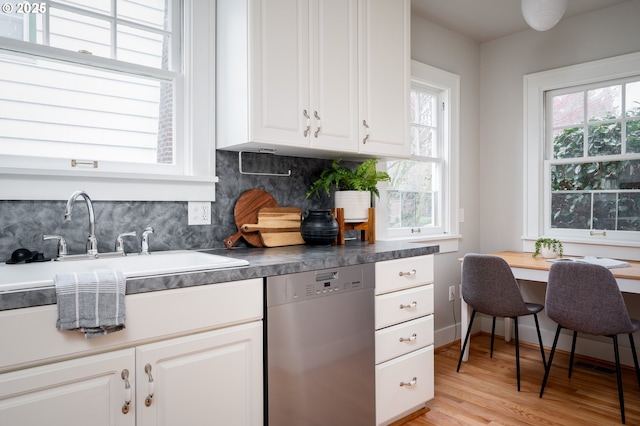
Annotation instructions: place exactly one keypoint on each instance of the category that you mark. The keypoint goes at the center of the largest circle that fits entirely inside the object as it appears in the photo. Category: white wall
(449, 51)
(491, 135)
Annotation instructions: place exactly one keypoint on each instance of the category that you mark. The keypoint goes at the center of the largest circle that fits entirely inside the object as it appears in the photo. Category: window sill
(20, 184)
(624, 250)
(448, 243)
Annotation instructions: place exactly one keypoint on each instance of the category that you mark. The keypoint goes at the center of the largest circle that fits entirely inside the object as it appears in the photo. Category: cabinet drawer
(401, 306)
(398, 274)
(403, 385)
(391, 342)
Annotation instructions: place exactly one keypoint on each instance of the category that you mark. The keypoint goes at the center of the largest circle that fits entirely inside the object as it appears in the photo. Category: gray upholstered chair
(585, 298)
(489, 287)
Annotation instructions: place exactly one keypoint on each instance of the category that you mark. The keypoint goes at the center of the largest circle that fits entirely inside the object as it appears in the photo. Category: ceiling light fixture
(542, 15)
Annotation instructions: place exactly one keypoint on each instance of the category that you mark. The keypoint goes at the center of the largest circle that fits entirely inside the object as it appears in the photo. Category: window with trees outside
(594, 157)
(97, 88)
(419, 199)
(582, 156)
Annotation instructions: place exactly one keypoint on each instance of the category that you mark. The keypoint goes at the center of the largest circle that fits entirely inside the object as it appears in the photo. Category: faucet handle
(62, 244)
(119, 247)
(144, 243)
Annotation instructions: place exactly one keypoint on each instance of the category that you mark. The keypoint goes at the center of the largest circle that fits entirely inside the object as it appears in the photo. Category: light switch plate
(199, 213)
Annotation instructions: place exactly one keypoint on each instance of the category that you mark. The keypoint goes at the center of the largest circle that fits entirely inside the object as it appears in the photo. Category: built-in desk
(529, 268)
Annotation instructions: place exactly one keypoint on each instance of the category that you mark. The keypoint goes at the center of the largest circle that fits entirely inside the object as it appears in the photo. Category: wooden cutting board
(246, 212)
(277, 227)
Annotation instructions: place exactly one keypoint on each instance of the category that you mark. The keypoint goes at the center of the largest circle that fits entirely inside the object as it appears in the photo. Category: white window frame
(195, 130)
(448, 236)
(535, 86)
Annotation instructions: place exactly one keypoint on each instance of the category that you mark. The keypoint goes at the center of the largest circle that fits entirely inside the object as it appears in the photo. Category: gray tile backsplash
(23, 223)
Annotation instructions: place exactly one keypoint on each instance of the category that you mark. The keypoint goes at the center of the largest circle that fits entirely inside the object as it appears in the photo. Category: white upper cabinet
(384, 71)
(287, 74)
(290, 76)
(334, 74)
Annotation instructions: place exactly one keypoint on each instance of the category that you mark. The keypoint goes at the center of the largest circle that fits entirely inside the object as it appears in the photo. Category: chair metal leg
(466, 339)
(619, 376)
(548, 368)
(493, 333)
(635, 357)
(544, 362)
(573, 351)
(515, 319)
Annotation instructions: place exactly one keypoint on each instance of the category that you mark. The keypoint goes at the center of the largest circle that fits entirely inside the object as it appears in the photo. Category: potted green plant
(550, 248)
(355, 188)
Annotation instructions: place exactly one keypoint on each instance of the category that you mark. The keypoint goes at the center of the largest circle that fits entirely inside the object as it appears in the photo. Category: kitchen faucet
(92, 242)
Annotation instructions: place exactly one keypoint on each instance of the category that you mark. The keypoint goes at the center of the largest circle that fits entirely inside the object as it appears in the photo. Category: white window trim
(535, 86)
(448, 241)
(197, 130)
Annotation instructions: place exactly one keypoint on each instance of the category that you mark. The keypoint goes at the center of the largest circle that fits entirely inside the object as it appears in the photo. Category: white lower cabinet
(208, 378)
(404, 337)
(81, 392)
(403, 384)
(189, 356)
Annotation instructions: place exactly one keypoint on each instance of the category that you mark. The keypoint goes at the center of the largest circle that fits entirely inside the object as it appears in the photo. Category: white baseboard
(590, 346)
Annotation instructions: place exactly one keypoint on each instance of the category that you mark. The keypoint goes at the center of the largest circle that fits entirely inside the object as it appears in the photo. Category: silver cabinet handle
(127, 391)
(408, 274)
(149, 399)
(366, 127)
(409, 384)
(319, 123)
(306, 115)
(413, 337)
(409, 306)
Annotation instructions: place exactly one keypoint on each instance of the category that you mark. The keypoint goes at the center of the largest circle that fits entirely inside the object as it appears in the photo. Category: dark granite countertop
(263, 262)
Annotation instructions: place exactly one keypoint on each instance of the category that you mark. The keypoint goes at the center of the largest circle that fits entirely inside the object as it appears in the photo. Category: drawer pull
(409, 306)
(409, 384)
(408, 274)
(413, 337)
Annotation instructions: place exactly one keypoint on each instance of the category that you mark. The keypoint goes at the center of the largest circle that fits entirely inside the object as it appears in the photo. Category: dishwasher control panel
(313, 284)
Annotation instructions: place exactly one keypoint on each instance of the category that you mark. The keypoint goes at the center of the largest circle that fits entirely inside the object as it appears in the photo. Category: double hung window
(100, 89)
(594, 157)
(421, 198)
(582, 155)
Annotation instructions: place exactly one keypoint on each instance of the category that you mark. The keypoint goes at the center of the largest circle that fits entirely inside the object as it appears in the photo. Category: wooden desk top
(527, 261)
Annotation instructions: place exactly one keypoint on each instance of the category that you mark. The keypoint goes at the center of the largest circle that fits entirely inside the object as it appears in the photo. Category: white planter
(548, 253)
(355, 204)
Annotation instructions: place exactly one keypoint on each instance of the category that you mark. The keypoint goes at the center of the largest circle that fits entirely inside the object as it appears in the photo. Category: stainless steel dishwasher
(320, 348)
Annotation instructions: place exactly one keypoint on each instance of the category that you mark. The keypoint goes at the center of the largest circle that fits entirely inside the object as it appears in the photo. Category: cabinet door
(279, 72)
(208, 378)
(333, 55)
(80, 392)
(384, 77)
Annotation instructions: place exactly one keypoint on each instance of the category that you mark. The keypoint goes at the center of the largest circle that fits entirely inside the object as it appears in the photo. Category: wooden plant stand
(367, 229)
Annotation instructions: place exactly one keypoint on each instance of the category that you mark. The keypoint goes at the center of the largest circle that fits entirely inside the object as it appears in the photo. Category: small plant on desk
(550, 244)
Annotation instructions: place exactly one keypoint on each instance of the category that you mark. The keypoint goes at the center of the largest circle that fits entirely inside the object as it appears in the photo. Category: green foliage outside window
(577, 202)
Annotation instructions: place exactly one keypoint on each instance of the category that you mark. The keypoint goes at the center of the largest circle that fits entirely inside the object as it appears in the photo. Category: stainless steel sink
(41, 274)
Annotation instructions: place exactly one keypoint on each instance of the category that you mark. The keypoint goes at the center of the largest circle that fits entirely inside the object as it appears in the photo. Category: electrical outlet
(452, 293)
(199, 213)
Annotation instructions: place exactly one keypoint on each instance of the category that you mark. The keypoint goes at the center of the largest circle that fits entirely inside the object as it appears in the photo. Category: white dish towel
(91, 302)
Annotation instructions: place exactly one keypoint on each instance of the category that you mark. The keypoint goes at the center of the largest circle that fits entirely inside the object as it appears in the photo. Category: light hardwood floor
(484, 392)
